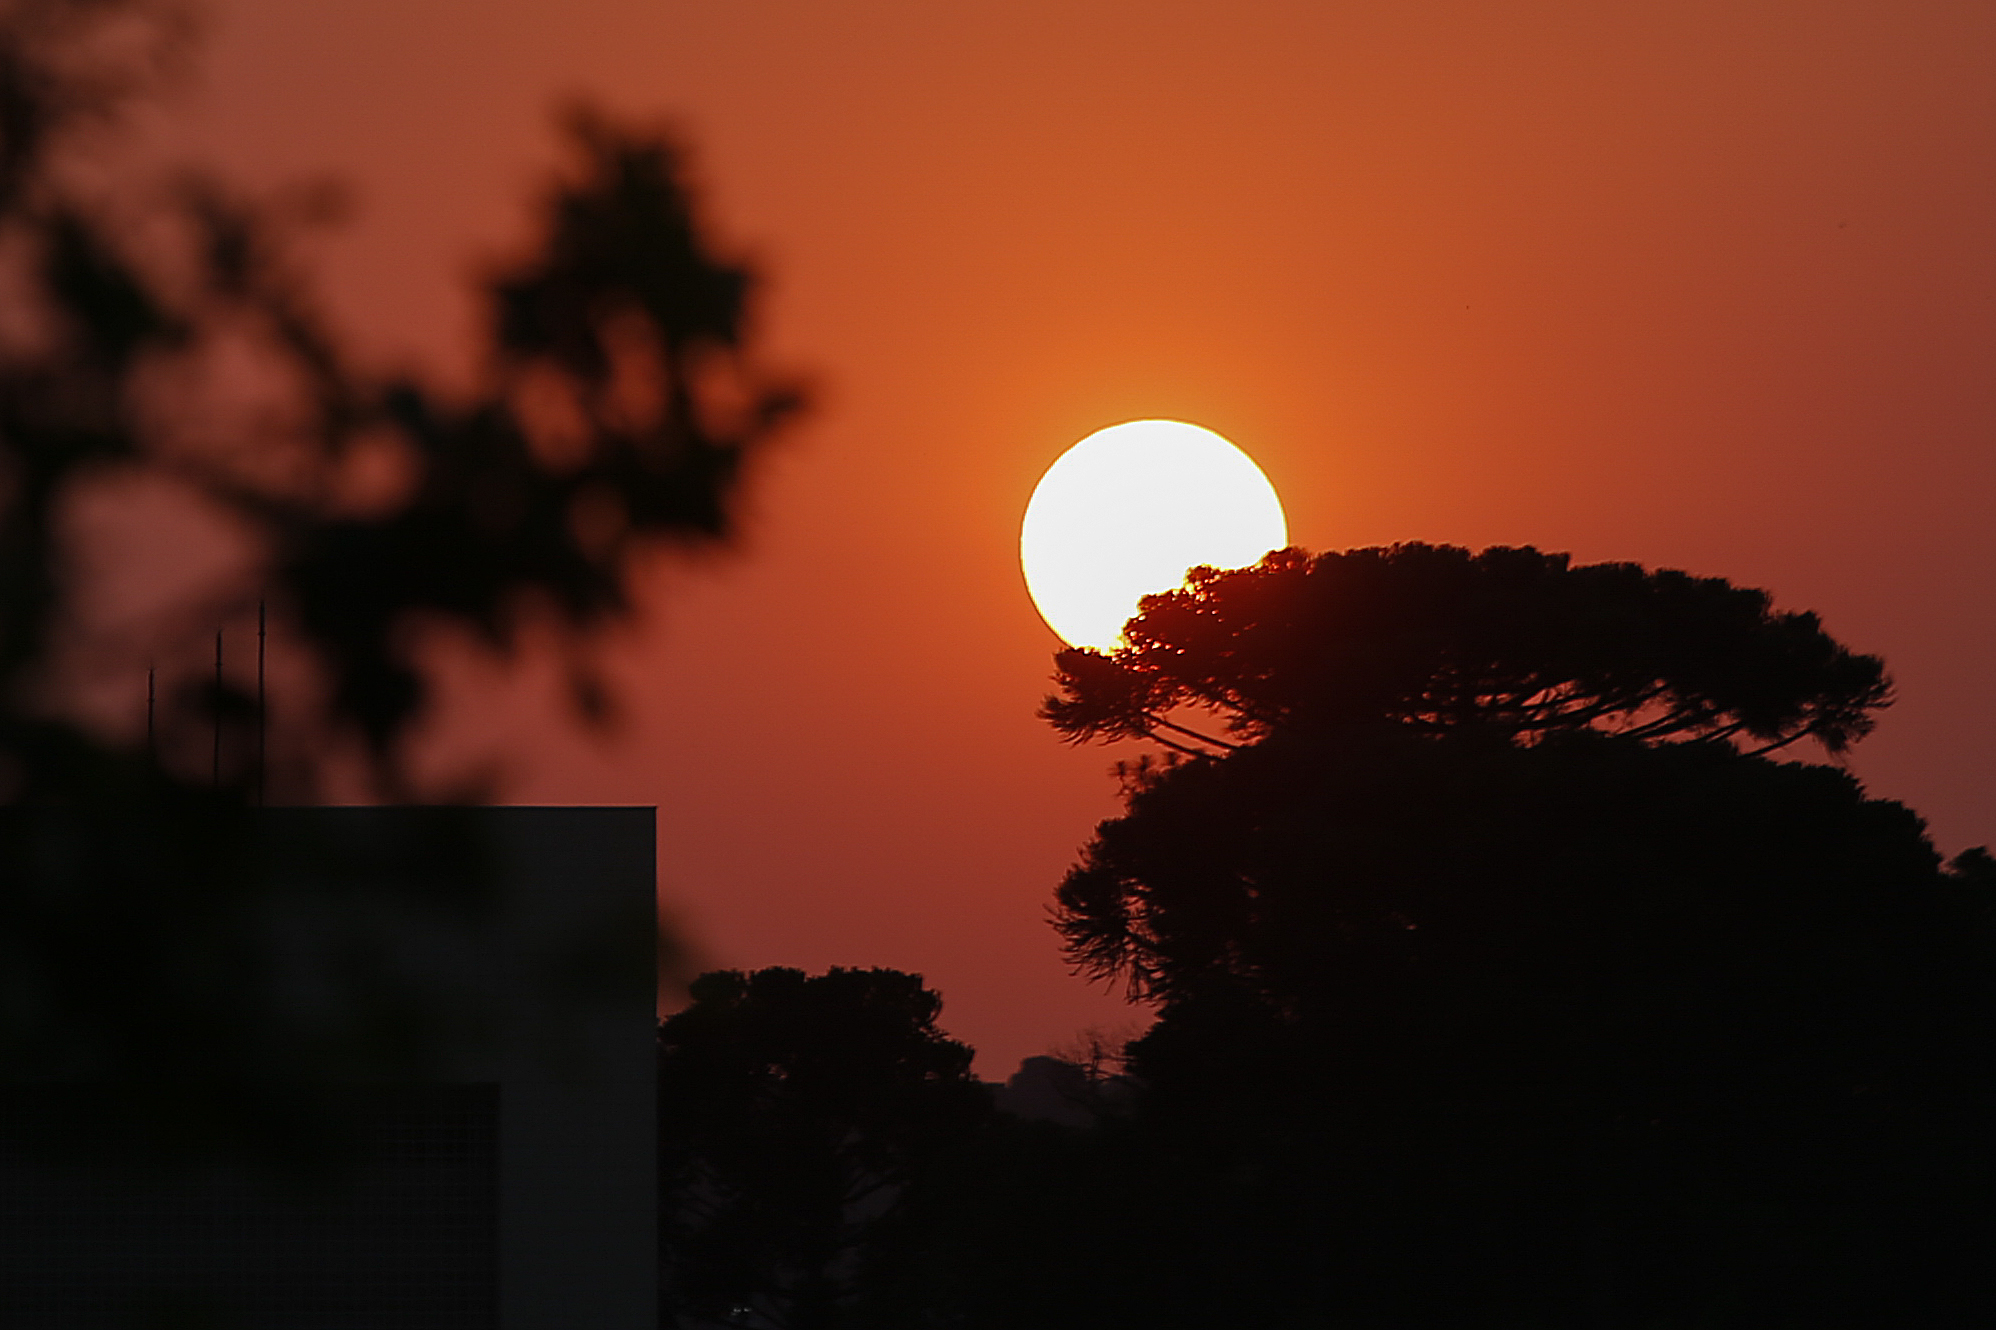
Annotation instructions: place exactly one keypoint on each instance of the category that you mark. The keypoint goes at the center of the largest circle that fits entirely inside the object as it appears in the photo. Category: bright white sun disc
(1127, 511)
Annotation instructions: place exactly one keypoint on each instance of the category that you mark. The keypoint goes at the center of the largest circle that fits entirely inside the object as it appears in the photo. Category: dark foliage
(1498, 985)
(1434, 639)
(1501, 979)
(625, 331)
(616, 414)
(794, 1111)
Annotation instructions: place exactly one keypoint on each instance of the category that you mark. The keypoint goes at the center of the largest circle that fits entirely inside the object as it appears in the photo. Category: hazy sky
(1703, 285)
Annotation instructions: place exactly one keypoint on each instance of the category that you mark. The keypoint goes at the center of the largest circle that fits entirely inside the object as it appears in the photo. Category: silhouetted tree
(794, 1111)
(1486, 939)
(1432, 639)
(620, 410)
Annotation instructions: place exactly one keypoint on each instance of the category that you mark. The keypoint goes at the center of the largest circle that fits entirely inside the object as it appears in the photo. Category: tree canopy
(1488, 932)
(1437, 640)
(794, 1109)
(1416, 737)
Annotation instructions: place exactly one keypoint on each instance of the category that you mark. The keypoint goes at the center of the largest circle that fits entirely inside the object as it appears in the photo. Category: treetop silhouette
(1490, 787)
(1509, 642)
(1489, 936)
(793, 1110)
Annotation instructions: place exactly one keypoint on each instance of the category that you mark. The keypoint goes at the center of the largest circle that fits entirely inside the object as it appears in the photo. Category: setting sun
(1127, 511)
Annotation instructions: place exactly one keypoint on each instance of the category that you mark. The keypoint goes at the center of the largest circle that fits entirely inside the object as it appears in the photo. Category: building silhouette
(510, 1185)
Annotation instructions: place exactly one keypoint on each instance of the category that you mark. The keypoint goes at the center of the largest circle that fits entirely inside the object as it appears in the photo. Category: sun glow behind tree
(1127, 511)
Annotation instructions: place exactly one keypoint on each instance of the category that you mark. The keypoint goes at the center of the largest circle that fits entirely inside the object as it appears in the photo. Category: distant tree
(794, 1111)
(1476, 903)
(159, 336)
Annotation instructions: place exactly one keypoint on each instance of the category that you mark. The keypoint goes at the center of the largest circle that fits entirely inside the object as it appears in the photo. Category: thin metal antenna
(261, 726)
(216, 778)
(152, 703)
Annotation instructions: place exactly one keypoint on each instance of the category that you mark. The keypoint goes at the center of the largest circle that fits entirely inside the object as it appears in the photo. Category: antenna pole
(262, 743)
(152, 696)
(216, 778)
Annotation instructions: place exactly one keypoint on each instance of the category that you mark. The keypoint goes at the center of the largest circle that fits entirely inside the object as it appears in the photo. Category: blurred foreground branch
(162, 339)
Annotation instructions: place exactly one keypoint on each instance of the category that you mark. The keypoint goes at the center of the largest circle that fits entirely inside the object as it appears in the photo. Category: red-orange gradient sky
(1707, 285)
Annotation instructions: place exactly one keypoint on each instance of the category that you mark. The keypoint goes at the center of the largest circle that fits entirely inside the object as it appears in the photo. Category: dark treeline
(1506, 971)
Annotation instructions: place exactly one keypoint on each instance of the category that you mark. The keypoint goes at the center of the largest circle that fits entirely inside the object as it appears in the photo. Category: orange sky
(1706, 285)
